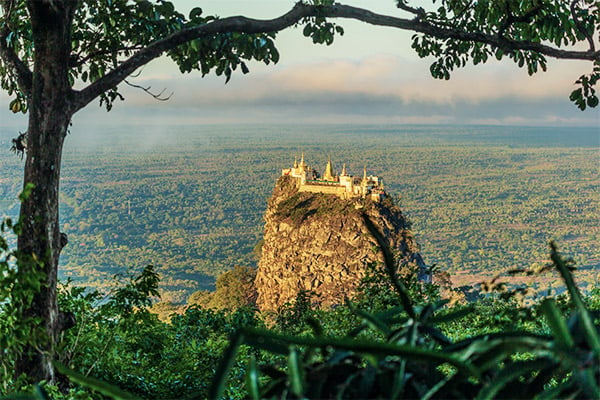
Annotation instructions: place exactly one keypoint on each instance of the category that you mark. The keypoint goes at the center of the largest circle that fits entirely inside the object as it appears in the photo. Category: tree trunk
(50, 112)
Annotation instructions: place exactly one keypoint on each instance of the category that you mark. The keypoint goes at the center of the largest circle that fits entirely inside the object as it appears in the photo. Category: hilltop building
(343, 185)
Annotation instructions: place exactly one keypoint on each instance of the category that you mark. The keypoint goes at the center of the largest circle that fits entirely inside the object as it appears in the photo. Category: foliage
(376, 292)
(416, 360)
(118, 340)
(106, 32)
(560, 23)
(18, 329)
(585, 96)
(234, 289)
(374, 348)
(303, 205)
(102, 41)
(299, 316)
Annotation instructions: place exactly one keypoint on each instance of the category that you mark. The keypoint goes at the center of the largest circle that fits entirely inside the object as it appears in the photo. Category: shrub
(414, 359)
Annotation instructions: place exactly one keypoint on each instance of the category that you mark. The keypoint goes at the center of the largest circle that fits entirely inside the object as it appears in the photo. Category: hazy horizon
(368, 75)
(505, 191)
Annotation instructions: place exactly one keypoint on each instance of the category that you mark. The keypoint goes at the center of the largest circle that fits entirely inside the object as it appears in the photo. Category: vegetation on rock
(234, 289)
(319, 243)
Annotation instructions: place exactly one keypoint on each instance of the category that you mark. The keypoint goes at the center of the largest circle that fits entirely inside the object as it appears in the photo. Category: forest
(396, 338)
(183, 208)
(482, 200)
(152, 229)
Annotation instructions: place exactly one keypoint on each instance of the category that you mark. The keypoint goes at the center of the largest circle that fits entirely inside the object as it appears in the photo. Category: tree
(49, 46)
(234, 289)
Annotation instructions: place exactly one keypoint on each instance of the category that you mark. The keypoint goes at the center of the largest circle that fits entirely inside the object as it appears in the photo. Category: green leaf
(557, 323)
(295, 372)
(587, 324)
(509, 373)
(315, 326)
(218, 384)
(27, 190)
(435, 388)
(588, 381)
(371, 320)
(252, 384)
(490, 348)
(15, 106)
(390, 266)
(308, 30)
(274, 54)
(40, 393)
(21, 396)
(265, 339)
(95, 384)
(451, 316)
(557, 392)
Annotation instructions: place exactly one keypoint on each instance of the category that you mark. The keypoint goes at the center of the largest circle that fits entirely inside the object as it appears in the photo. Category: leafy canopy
(542, 22)
(107, 32)
(120, 36)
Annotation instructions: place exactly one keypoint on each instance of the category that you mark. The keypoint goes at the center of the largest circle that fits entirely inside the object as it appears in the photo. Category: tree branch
(9, 57)
(419, 12)
(580, 26)
(511, 18)
(427, 28)
(76, 62)
(154, 50)
(158, 96)
(295, 15)
(19, 68)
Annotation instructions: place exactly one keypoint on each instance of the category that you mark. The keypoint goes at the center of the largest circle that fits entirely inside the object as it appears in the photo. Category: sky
(368, 76)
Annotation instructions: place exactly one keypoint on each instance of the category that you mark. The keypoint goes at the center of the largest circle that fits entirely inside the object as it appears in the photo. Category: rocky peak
(319, 242)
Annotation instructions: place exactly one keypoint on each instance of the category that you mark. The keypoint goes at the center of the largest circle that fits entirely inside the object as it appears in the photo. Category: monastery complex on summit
(343, 185)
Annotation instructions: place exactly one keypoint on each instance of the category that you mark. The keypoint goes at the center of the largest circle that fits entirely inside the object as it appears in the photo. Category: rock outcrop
(319, 242)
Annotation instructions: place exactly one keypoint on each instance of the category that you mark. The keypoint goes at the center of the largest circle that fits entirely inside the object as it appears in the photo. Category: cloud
(378, 88)
(380, 75)
(354, 109)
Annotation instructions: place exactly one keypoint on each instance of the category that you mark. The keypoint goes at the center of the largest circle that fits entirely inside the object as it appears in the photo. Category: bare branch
(419, 12)
(295, 15)
(135, 75)
(157, 96)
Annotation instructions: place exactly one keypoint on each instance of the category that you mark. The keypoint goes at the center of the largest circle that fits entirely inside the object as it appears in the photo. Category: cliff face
(319, 242)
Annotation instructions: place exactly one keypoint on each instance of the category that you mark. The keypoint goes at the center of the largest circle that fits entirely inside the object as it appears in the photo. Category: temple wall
(339, 191)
